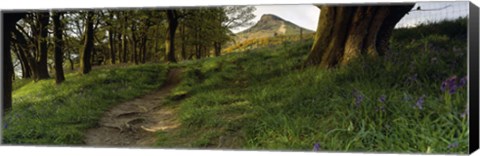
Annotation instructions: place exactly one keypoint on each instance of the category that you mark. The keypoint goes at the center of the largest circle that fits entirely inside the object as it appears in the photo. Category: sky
(307, 16)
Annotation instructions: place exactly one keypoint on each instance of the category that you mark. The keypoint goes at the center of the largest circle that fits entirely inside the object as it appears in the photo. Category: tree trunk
(43, 47)
(9, 21)
(119, 46)
(170, 41)
(144, 48)
(184, 52)
(85, 56)
(218, 48)
(346, 32)
(26, 71)
(111, 40)
(124, 40)
(57, 30)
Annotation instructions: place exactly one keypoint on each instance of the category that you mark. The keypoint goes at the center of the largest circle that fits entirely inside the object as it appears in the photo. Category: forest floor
(134, 123)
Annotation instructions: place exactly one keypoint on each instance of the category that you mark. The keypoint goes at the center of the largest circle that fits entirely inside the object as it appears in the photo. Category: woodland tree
(346, 32)
(58, 38)
(85, 64)
(9, 21)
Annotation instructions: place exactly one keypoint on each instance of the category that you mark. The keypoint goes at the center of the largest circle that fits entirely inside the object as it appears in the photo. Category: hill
(269, 26)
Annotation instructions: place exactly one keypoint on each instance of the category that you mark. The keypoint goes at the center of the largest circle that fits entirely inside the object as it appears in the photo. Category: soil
(134, 123)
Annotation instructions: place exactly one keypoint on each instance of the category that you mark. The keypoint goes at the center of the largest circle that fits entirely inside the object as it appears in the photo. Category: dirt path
(134, 123)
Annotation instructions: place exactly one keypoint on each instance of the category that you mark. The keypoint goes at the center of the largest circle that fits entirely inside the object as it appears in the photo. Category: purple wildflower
(420, 102)
(453, 88)
(382, 99)
(453, 145)
(381, 108)
(358, 100)
(316, 147)
(463, 81)
(452, 85)
(443, 86)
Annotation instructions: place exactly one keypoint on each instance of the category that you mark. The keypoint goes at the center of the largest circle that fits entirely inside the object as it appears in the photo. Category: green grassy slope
(261, 100)
(44, 113)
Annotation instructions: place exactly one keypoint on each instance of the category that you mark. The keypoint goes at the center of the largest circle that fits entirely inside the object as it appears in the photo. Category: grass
(45, 113)
(260, 100)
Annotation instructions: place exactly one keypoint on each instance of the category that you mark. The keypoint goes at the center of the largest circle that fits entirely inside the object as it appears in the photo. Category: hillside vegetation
(413, 99)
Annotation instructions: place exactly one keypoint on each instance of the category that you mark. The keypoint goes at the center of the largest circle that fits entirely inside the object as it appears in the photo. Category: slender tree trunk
(144, 48)
(346, 32)
(9, 21)
(57, 30)
(111, 40)
(170, 41)
(26, 71)
(184, 52)
(43, 47)
(119, 46)
(85, 56)
(124, 40)
(218, 48)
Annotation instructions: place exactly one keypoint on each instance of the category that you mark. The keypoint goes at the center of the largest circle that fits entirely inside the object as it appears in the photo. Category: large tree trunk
(170, 41)
(346, 32)
(57, 30)
(43, 47)
(85, 56)
(9, 21)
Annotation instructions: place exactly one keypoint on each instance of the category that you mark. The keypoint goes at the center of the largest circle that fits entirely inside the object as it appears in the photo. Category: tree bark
(57, 30)
(43, 47)
(26, 70)
(170, 41)
(111, 39)
(85, 56)
(218, 48)
(346, 32)
(9, 21)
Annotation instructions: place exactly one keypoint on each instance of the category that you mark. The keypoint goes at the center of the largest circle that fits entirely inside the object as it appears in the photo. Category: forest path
(134, 123)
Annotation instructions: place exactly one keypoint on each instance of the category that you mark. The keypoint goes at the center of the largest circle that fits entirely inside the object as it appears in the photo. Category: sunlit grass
(260, 100)
(46, 113)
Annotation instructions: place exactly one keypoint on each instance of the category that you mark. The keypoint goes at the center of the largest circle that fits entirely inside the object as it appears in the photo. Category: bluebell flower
(381, 108)
(420, 102)
(316, 147)
(463, 81)
(358, 100)
(382, 99)
(453, 145)
(443, 86)
(452, 89)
